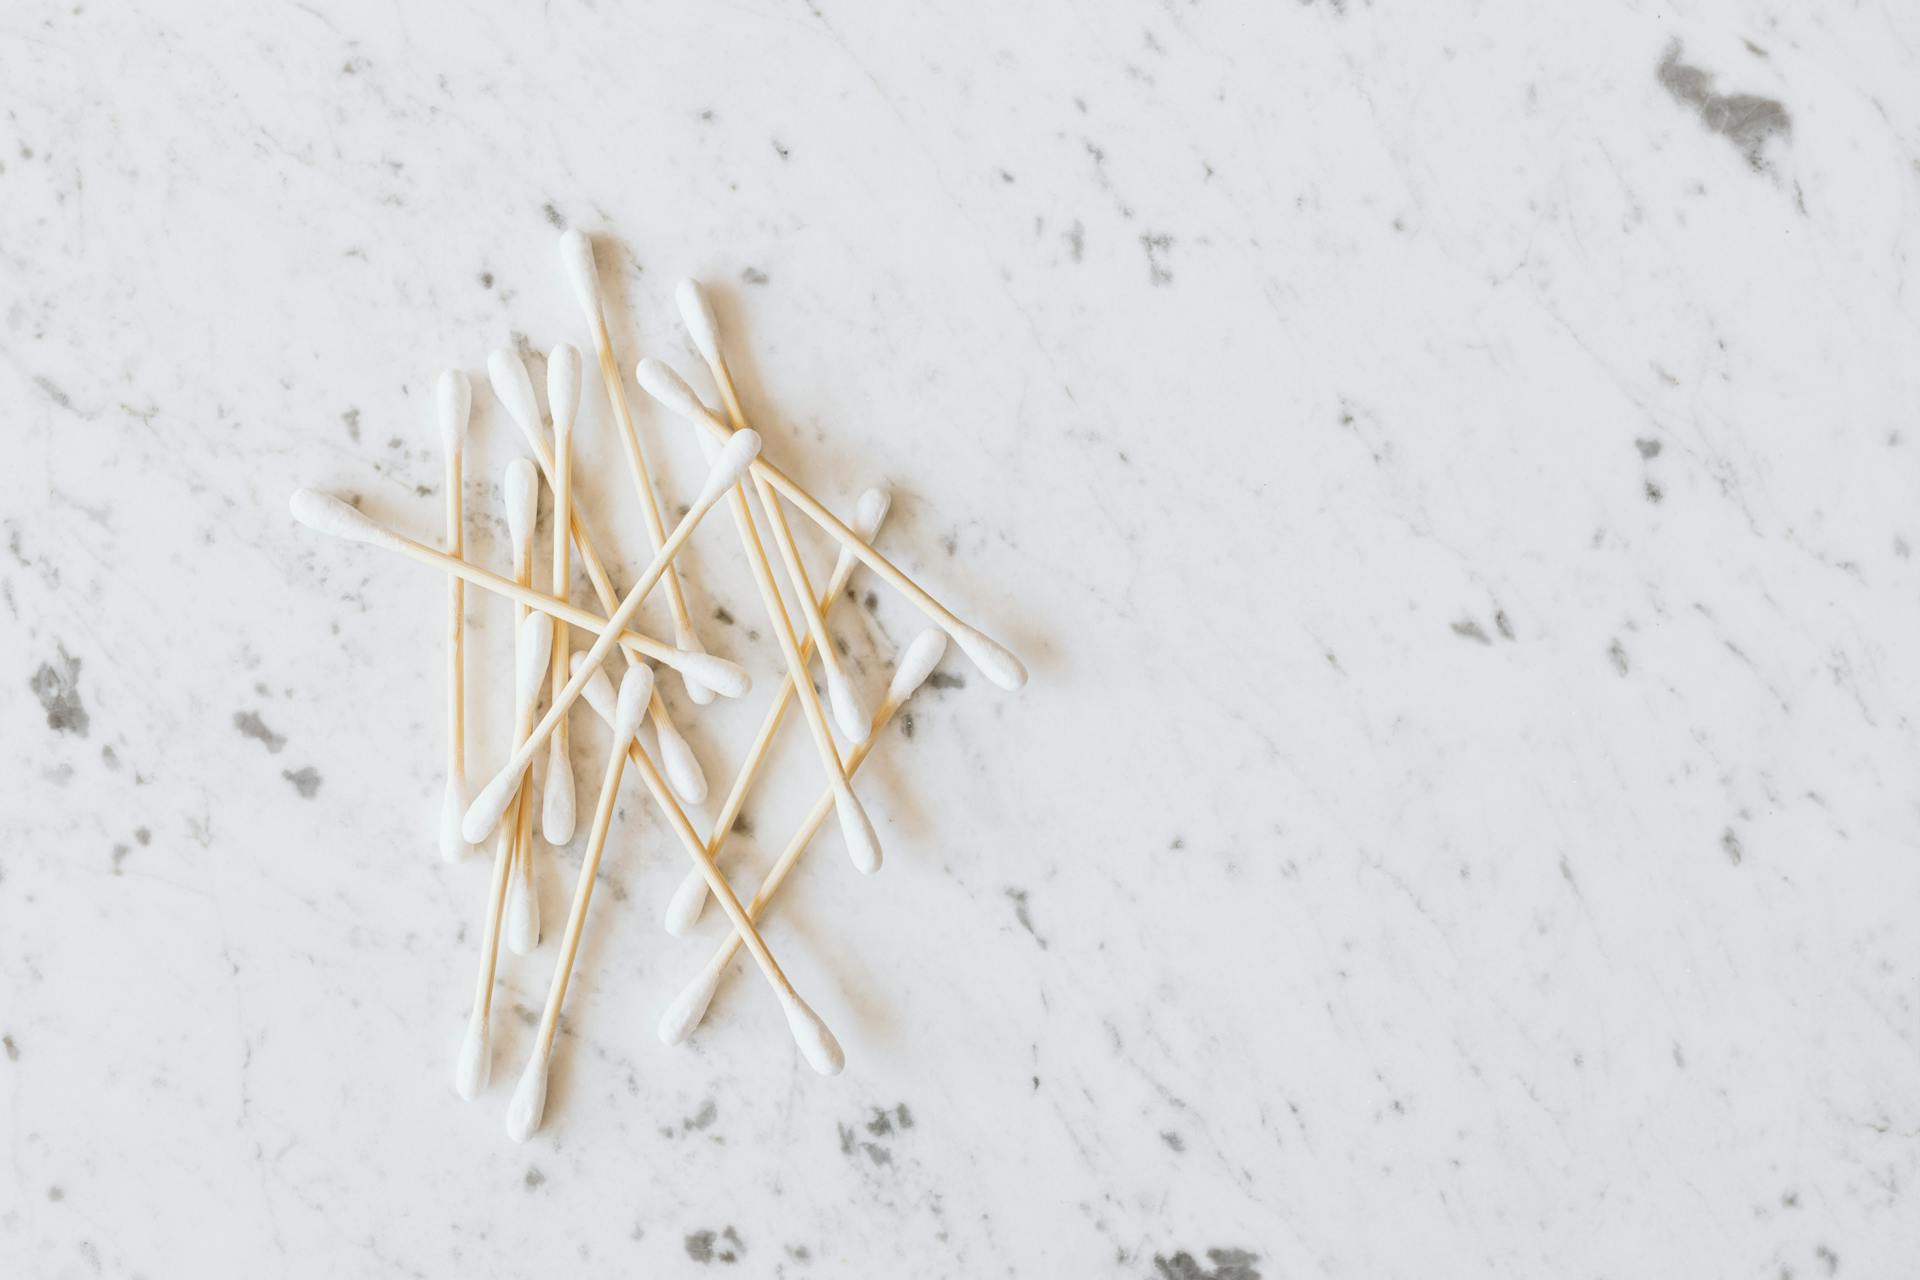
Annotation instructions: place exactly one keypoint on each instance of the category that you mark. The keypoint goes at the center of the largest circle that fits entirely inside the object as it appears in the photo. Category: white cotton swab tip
(697, 314)
(563, 387)
(686, 639)
(484, 814)
(917, 663)
(636, 691)
(670, 389)
(735, 457)
(995, 661)
(523, 907)
(679, 1019)
(474, 1067)
(681, 766)
(529, 1105)
(514, 389)
(817, 1044)
(848, 709)
(327, 514)
(686, 904)
(453, 845)
(863, 842)
(728, 679)
(576, 256)
(531, 658)
(558, 815)
(523, 502)
(453, 405)
(870, 511)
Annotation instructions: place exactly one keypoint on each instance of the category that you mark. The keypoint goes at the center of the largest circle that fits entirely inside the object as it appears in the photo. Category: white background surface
(1456, 504)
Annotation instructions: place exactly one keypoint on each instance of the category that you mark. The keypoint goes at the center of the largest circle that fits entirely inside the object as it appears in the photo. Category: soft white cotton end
(681, 766)
(453, 406)
(576, 256)
(686, 639)
(523, 908)
(686, 904)
(529, 1105)
(697, 314)
(474, 1067)
(851, 713)
(728, 679)
(735, 457)
(453, 845)
(521, 486)
(917, 663)
(670, 389)
(329, 515)
(514, 388)
(484, 814)
(599, 691)
(817, 1044)
(557, 801)
(533, 653)
(863, 843)
(871, 512)
(995, 660)
(690, 1006)
(563, 389)
(636, 691)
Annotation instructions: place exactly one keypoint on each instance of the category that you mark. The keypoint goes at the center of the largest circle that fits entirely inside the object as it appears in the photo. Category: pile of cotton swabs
(561, 651)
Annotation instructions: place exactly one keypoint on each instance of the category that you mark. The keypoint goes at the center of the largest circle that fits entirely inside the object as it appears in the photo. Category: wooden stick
(816, 1043)
(848, 709)
(863, 843)
(690, 1006)
(557, 810)
(576, 252)
(530, 1099)
(994, 660)
(492, 800)
(453, 398)
(682, 766)
(331, 516)
(522, 488)
(475, 1063)
(690, 898)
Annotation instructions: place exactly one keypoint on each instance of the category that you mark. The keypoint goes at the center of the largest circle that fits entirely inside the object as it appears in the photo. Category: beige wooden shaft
(637, 464)
(596, 569)
(815, 819)
(582, 896)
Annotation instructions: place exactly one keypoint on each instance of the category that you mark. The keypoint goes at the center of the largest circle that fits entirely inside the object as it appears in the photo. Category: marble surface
(1451, 471)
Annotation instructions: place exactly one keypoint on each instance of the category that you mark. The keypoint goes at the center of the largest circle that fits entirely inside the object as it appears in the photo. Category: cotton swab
(522, 489)
(453, 406)
(530, 1099)
(327, 514)
(994, 659)
(690, 1006)
(576, 255)
(816, 1043)
(687, 902)
(676, 757)
(493, 799)
(563, 402)
(863, 842)
(704, 329)
(474, 1065)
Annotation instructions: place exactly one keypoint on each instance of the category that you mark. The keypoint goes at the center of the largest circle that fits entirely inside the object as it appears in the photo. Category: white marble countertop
(1450, 469)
